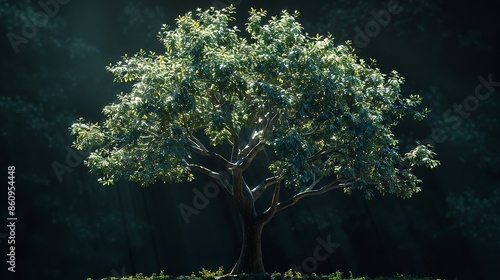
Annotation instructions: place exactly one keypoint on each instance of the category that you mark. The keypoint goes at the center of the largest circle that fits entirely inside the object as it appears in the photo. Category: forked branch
(215, 175)
(337, 184)
(262, 187)
(269, 213)
(201, 150)
(245, 162)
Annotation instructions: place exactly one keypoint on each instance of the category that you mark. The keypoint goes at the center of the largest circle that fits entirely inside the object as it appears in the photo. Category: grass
(289, 275)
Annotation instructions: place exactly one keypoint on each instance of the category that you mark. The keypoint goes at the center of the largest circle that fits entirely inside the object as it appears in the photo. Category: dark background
(69, 227)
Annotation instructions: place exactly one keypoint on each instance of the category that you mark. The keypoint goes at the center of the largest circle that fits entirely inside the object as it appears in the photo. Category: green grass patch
(205, 274)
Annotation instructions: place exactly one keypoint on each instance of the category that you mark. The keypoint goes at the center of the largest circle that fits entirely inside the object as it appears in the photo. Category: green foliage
(207, 274)
(319, 110)
(274, 276)
(290, 274)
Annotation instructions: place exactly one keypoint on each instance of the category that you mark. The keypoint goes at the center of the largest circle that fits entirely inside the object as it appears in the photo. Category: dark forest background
(70, 227)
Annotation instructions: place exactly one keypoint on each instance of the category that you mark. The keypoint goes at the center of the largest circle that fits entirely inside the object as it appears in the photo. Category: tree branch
(197, 142)
(253, 142)
(321, 154)
(262, 186)
(269, 125)
(201, 150)
(271, 211)
(330, 186)
(314, 183)
(245, 162)
(236, 145)
(193, 130)
(256, 138)
(215, 175)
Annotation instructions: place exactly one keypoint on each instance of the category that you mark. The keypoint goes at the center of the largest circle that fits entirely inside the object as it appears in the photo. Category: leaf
(319, 110)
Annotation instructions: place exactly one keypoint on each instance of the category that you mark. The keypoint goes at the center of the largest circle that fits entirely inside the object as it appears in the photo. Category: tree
(322, 116)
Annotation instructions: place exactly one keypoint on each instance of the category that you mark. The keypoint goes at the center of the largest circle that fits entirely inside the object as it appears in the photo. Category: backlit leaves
(322, 113)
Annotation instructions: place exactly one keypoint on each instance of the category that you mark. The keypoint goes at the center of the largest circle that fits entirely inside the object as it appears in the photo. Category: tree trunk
(250, 260)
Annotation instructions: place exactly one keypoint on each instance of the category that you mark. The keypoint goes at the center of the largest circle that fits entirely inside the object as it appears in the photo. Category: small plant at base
(208, 274)
(338, 275)
(292, 274)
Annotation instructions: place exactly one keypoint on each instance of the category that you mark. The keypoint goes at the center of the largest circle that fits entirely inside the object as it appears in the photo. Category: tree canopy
(324, 117)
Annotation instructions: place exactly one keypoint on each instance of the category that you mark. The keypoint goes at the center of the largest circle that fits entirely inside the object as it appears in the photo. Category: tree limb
(236, 145)
(271, 211)
(245, 162)
(262, 186)
(253, 142)
(197, 142)
(269, 125)
(204, 152)
(256, 138)
(215, 175)
(330, 186)
(321, 154)
(314, 183)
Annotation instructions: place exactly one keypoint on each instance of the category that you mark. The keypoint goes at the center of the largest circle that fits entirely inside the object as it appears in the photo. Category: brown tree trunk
(250, 260)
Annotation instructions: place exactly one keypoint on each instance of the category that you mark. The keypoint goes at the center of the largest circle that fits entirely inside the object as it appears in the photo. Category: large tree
(323, 116)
